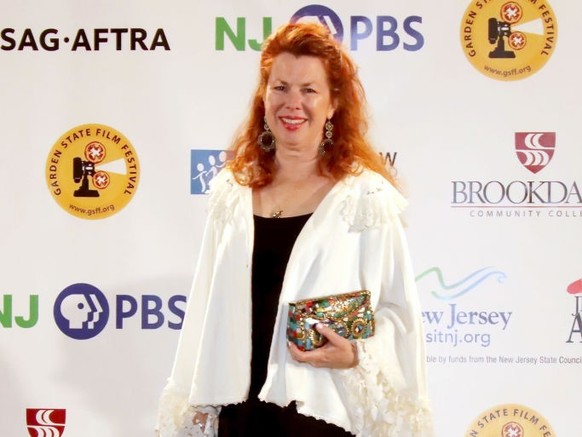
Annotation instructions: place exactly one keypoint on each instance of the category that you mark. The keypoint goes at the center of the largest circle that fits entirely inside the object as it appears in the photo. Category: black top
(273, 242)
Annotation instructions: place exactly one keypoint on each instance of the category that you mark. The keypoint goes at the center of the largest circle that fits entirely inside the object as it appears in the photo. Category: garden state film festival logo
(508, 40)
(510, 420)
(92, 171)
(45, 422)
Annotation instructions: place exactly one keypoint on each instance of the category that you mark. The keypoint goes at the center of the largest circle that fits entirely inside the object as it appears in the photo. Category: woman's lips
(292, 123)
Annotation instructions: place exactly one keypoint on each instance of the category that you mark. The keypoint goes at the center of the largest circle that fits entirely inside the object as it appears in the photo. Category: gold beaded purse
(349, 315)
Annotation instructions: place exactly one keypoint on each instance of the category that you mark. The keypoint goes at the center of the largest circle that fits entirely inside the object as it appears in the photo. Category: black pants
(256, 418)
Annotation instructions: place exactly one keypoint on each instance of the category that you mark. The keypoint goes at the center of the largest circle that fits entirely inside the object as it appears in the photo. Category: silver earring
(266, 139)
(327, 141)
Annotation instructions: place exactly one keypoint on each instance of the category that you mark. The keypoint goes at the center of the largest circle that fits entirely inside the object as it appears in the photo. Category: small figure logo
(535, 149)
(204, 166)
(44, 422)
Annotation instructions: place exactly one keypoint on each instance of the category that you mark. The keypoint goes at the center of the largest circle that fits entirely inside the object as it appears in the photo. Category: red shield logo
(535, 149)
(45, 422)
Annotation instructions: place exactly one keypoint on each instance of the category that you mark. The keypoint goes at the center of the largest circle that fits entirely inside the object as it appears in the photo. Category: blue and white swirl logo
(322, 14)
(81, 311)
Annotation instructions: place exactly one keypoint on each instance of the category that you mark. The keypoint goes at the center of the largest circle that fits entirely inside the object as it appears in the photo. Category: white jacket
(354, 240)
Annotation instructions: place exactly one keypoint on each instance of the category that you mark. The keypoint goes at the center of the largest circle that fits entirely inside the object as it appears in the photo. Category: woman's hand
(337, 353)
(203, 421)
(199, 420)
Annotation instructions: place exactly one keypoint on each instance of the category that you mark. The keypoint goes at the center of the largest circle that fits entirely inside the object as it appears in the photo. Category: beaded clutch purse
(349, 314)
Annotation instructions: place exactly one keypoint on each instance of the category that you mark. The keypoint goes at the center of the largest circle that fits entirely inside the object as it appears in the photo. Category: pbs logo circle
(81, 311)
(323, 15)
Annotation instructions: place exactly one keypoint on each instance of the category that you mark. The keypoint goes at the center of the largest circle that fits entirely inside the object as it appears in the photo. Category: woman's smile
(292, 123)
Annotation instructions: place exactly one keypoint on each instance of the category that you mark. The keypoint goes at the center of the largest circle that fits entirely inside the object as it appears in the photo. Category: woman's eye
(310, 90)
(279, 87)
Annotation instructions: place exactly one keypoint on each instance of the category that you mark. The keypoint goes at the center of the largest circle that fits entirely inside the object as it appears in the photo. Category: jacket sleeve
(386, 393)
(175, 413)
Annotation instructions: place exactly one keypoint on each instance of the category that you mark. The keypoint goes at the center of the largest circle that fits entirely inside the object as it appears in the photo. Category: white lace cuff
(178, 419)
(375, 404)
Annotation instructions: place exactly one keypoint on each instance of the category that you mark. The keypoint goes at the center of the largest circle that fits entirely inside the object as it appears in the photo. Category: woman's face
(297, 101)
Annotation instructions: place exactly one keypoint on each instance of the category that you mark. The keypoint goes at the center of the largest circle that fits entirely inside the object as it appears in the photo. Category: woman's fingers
(332, 336)
(337, 353)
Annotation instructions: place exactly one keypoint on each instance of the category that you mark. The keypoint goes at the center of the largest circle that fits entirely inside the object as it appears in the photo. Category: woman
(305, 209)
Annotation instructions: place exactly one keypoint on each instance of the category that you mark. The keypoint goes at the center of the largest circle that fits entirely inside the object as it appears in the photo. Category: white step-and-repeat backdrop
(115, 116)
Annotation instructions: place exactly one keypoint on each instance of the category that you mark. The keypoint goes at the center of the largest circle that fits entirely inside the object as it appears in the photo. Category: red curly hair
(254, 167)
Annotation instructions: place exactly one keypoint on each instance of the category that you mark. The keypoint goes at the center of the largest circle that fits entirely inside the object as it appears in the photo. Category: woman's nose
(294, 99)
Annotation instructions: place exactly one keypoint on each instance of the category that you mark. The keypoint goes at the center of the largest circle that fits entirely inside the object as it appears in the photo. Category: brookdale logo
(535, 149)
(521, 198)
(45, 422)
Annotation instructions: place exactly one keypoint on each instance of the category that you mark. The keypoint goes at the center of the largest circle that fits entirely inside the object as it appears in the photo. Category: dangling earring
(266, 139)
(327, 142)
